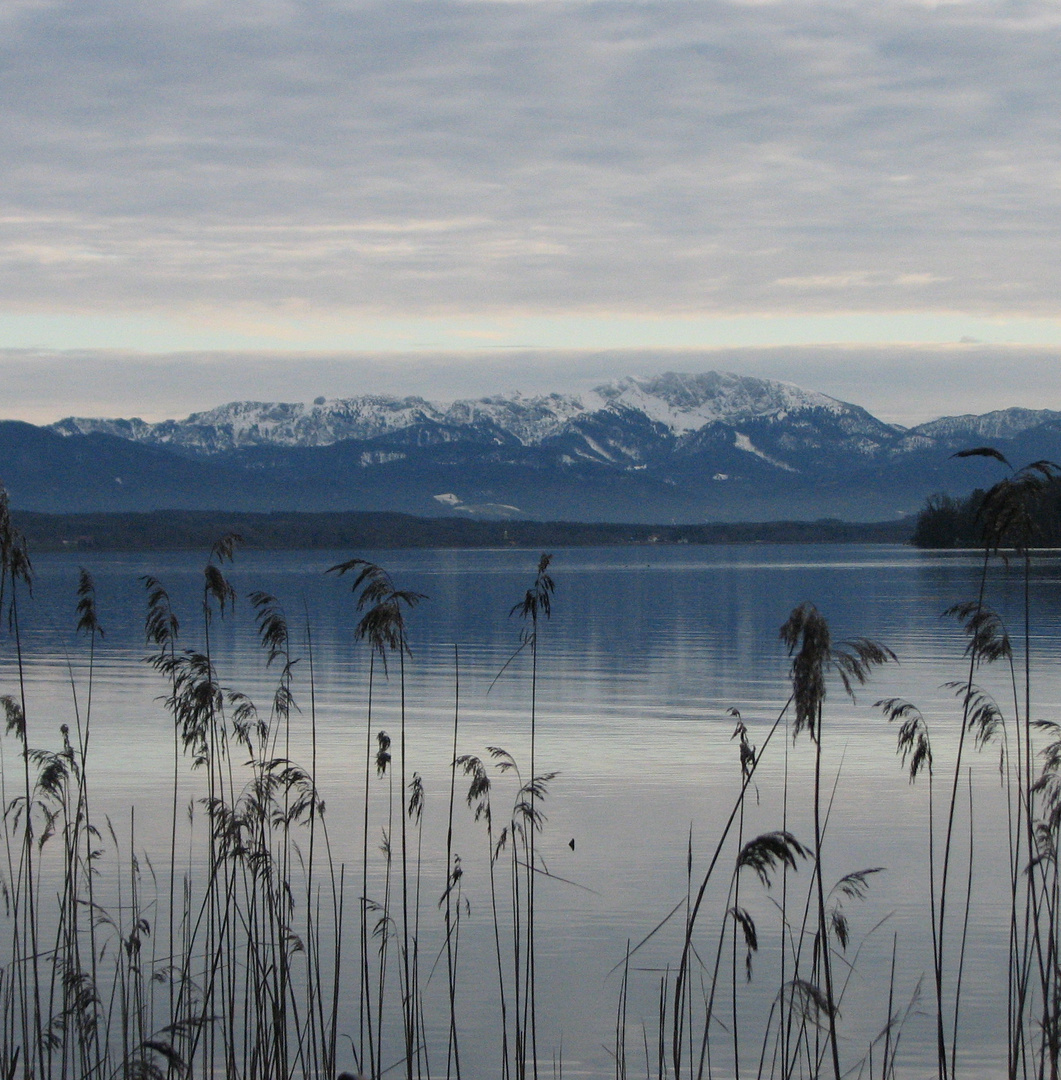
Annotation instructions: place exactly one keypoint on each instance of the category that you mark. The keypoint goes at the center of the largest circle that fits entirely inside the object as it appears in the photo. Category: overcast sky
(207, 199)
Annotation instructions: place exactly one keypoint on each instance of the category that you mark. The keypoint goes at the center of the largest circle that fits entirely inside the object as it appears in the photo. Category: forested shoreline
(948, 522)
(945, 521)
(180, 530)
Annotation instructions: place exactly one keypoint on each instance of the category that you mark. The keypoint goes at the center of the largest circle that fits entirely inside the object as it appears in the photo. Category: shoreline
(184, 530)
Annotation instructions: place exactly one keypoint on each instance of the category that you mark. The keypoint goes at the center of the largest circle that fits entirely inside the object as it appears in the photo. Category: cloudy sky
(208, 199)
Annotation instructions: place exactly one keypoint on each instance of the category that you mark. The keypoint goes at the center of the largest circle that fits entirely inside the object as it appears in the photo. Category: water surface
(646, 653)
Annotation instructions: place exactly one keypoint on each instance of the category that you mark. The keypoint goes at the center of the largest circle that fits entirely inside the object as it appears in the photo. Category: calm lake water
(646, 652)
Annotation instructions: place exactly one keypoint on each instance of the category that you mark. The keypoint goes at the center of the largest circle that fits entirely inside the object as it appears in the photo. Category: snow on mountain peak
(686, 403)
(1000, 424)
(682, 403)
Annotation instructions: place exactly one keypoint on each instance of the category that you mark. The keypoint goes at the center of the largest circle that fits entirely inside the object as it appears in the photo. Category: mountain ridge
(682, 403)
(676, 447)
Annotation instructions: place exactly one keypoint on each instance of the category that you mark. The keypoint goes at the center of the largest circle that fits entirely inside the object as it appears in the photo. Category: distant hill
(677, 448)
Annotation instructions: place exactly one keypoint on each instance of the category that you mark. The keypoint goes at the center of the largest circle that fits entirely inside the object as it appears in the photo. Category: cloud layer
(225, 160)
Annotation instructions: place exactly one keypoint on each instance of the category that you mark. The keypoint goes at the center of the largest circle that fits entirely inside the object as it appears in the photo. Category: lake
(647, 651)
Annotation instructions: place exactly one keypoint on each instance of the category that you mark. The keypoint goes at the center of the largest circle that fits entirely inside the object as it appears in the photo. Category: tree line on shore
(189, 530)
(948, 522)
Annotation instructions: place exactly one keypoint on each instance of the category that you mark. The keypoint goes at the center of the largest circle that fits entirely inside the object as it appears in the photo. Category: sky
(205, 200)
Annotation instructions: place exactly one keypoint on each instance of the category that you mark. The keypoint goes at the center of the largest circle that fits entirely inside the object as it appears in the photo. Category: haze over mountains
(676, 447)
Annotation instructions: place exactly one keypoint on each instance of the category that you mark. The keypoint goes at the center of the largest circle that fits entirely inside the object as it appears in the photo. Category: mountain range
(672, 448)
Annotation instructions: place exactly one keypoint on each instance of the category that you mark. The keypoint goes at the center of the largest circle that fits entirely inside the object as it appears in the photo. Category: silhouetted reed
(228, 960)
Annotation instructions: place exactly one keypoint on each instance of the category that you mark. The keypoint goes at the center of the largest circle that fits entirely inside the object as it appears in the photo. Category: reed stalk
(453, 1049)
(226, 967)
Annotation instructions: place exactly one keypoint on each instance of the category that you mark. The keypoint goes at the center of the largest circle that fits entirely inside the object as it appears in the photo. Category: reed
(230, 959)
(383, 626)
(453, 1048)
(535, 606)
(224, 993)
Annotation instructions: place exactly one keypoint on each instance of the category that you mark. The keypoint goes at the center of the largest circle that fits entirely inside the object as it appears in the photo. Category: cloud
(858, 279)
(442, 158)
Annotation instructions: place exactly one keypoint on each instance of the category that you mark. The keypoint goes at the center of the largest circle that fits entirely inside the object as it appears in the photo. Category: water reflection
(647, 650)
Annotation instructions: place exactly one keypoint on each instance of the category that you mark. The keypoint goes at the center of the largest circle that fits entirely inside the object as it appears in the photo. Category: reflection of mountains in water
(677, 447)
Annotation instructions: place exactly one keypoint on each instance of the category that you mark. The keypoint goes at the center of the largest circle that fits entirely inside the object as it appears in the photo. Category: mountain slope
(681, 404)
(1001, 424)
(677, 447)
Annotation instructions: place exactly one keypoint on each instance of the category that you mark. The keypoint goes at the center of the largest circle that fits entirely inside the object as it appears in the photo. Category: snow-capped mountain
(675, 447)
(1001, 424)
(685, 403)
(678, 404)
(257, 423)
